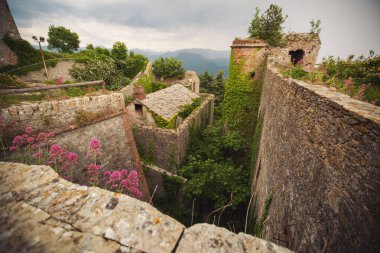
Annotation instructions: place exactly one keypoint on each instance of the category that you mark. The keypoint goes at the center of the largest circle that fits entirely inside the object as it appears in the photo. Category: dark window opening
(296, 56)
(138, 109)
(252, 74)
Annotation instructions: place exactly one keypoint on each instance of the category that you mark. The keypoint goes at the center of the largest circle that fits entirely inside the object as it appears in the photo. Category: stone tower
(253, 52)
(7, 26)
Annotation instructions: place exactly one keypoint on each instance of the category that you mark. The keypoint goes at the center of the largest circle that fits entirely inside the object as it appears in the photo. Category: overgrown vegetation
(10, 81)
(260, 223)
(241, 100)
(170, 201)
(357, 77)
(168, 68)
(268, 26)
(215, 174)
(27, 55)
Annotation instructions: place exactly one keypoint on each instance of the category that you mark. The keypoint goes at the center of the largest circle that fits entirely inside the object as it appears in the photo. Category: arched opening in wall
(252, 74)
(138, 110)
(296, 56)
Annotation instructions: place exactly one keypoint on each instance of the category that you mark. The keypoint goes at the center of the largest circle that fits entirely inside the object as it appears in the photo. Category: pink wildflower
(135, 192)
(25, 136)
(12, 148)
(38, 154)
(95, 143)
(50, 134)
(347, 82)
(132, 178)
(107, 173)
(115, 176)
(30, 140)
(93, 168)
(28, 130)
(124, 172)
(35, 146)
(71, 156)
(42, 136)
(56, 150)
(17, 140)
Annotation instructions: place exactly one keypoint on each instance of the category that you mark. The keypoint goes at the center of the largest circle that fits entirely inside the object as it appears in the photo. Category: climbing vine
(241, 100)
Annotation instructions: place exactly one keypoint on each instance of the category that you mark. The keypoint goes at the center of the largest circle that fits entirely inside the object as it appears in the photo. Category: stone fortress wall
(319, 155)
(167, 147)
(45, 213)
(75, 121)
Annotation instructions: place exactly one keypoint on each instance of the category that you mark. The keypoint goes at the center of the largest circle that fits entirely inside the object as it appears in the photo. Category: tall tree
(62, 39)
(268, 26)
(119, 50)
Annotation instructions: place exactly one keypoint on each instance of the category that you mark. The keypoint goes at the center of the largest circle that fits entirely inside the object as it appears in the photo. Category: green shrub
(133, 64)
(296, 73)
(75, 92)
(100, 70)
(128, 100)
(186, 110)
(10, 81)
(168, 68)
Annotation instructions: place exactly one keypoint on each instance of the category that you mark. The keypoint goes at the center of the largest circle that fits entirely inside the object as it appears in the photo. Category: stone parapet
(319, 159)
(42, 212)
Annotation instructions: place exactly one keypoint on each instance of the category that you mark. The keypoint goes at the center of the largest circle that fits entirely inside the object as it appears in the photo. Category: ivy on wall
(185, 111)
(241, 100)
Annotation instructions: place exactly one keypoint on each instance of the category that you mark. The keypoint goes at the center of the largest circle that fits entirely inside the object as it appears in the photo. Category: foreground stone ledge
(210, 238)
(89, 211)
(41, 212)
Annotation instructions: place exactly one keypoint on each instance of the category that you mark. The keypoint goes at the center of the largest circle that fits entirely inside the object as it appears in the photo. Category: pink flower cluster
(59, 80)
(123, 181)
(35, 141)
(94, 149)
(63, 161)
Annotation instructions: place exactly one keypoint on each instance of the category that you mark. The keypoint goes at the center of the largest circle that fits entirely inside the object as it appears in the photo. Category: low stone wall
(319, 157)
(61, 116)
(155, 179)
(60, 70)
(167, 147)
(42, 212)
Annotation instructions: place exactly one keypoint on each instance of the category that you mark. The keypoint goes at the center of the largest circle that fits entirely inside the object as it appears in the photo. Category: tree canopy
(268, 26)
(62, 39)
(168, 68)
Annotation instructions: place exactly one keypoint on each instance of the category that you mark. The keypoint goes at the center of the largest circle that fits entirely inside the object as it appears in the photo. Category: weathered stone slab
(33, 196)
(210, 238)
(25, 228)
(127, 220)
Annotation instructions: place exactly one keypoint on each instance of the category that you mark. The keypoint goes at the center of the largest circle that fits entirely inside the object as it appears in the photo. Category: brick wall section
(60, 116)
(7, 26)
(169, 146)
(320, 155)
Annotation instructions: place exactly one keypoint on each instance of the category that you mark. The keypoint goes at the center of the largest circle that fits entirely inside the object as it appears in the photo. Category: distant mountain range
(197, 59)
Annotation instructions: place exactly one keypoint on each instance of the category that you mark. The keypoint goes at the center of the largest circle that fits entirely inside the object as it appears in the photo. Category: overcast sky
(348, 26)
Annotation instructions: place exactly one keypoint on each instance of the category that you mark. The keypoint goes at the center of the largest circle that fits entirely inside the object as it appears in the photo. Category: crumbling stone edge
(41, 211)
